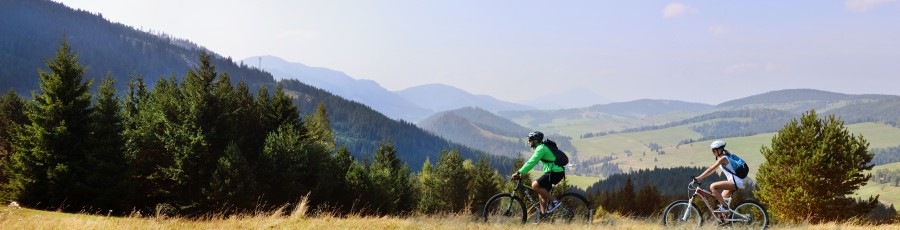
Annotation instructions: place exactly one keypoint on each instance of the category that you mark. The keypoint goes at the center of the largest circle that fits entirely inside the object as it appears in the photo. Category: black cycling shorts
(549, 179)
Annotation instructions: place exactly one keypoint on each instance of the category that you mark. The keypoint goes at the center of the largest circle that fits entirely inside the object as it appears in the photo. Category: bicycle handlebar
(694, 181)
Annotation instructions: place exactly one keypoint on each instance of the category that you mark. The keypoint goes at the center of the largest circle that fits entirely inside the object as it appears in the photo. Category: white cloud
(719, 30)
(864, 5)
(675, 9)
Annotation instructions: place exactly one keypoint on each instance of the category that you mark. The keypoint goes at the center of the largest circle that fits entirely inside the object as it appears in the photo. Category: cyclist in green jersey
(553, 173)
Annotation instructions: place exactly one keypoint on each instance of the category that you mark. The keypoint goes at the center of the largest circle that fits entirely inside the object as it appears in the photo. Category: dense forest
(885, 156)
(32, 30)
(201, 145)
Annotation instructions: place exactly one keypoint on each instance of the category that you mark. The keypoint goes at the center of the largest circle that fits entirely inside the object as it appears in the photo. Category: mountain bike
(510, 208)
(684, 213)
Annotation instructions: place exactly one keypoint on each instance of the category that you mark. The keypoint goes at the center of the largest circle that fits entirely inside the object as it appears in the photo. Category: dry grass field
(20, 218)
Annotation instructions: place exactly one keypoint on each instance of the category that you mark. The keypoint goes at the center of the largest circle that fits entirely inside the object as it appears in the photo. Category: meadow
(21, 218)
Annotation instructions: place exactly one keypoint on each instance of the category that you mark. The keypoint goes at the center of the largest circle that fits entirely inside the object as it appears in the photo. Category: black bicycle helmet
(536, 135)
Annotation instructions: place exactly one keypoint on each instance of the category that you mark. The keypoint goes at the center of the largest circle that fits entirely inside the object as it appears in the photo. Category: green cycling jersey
(543, 154)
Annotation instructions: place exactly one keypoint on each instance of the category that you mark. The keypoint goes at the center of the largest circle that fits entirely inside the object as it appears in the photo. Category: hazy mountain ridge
(573, 98)
(768, 112)
(367, 92)
(799, 100)
(481, 129)
(440, 97)
(630, 109)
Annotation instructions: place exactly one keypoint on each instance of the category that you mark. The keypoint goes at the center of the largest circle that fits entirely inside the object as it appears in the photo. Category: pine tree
(48, 167)
(625, 198)
(343, 195)
(106, 163)
(453, 181)
(430, 200)
(319, 128)
(231, 187)
(11, 119)
(147, 117)
(812, 168)
(392, 185)
(288, 166)
(484, 184)
(647, 200)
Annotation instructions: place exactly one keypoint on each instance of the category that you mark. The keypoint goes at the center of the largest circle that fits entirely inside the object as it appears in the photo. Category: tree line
(203, 145)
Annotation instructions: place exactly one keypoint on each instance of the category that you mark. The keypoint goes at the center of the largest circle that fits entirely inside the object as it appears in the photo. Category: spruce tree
(11, 119)
(49, 167)
(453, 181)
(106, 163)
(485, 183)
(231, 187)
(391, 182)
(812, 169)
(319, 128)
(430, 200)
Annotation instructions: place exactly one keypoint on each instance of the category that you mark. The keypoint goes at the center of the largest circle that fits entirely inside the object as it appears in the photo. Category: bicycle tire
(673, 214)
(574, 209)
(504, 208)
(752, 214)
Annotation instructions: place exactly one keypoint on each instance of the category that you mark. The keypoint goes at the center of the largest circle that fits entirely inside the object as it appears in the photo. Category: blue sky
(698, 51)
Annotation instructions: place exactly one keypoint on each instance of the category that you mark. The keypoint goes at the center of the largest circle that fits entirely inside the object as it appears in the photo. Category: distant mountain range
(800, 100)
(440, 97)
(480, 129)
(367, 92)
(411, 104)
(577, 97)
(631, 109)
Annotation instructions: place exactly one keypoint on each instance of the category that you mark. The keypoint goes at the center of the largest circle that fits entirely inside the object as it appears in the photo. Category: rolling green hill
(889, 194)
(800, 100)
(480, 129)
(620, 110)
(697, 154)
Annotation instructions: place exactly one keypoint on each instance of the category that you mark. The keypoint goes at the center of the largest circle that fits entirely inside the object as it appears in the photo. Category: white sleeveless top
(731, 177)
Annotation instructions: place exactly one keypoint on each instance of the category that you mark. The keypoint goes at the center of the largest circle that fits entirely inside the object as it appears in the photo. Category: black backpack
(561, 159)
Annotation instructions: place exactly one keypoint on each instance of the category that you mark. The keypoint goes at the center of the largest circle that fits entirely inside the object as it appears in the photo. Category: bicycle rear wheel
(750, 214)
(504, 208)
(682, 214)
(574, 209)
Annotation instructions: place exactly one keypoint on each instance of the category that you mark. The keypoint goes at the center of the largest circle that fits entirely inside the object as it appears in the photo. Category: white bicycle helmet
(717, 144)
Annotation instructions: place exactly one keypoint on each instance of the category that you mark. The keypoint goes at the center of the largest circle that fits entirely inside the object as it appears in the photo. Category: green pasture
(888, 194)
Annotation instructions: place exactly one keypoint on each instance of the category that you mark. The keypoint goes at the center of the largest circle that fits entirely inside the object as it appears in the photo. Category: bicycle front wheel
(750, 214)
(574, 208)
(504, 208)
(682, 214)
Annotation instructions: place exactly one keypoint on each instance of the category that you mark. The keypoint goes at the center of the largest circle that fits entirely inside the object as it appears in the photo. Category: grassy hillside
(697, 154)
(576, 127)
(581, 181)
(889, 194)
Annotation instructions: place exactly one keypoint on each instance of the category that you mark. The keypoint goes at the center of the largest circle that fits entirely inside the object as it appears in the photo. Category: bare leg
(543, 194)
(716, 189)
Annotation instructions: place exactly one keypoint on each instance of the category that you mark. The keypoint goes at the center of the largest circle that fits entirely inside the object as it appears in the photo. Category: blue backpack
(740, 167)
